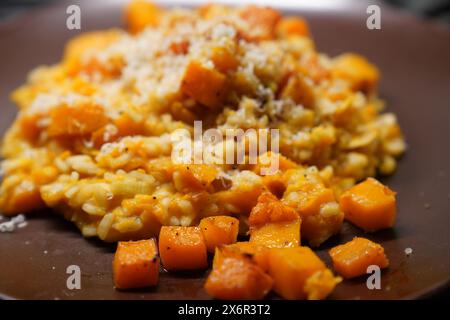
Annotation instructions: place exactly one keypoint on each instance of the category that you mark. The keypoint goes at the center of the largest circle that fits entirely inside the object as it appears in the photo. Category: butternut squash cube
(298, 273)
(277, 235)
(274, 224)
(269, 209)
(236, 277)
(254, 250)
(182, 248)
(204, 85)
(219, 230)
(194, 177)
(136, 264)
(369, 205)
(72, 121)
(352, 258)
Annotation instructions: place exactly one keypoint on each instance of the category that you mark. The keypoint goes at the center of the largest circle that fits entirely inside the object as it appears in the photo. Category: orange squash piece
(204, 85)
(254, 250)
(274, 224)
(141, 13)
(125, 125)
(224, 60)
(236, 277)
(312, 197)
(194, 177)
(362, 75)
(182, 248)
(261, 22)
(270, 209)
(370, 205)
(29, 127)
(352, 258)
(136, 264)
(71, 121)
(219, 230)
(292, 26)
(277, 235)
(298, 273)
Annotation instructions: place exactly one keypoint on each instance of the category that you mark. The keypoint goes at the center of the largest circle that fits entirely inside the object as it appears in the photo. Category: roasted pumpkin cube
(369, 205)
(194, 177)
(274, 224)
(207, 86)
(298, 273)
(219, 230)
(312, 196)
(236, 277)
(251, 249)
(277, 234)
(269, 209)
(353, 258)
(182, 248)
(136, 264)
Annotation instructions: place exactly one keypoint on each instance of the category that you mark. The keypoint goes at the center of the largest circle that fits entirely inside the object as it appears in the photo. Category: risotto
(92, 138)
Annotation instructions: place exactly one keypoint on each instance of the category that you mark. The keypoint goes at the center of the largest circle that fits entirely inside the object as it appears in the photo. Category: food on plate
(370, 205)
(182, 248)
(95, 140)
(235, 276)
(218, 231)
(274, 224)
(136, 264)
(353, 258)
(299, 273)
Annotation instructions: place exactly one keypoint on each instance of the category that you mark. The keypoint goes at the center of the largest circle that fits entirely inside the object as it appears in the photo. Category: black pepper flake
(168, 248)
(154, 198)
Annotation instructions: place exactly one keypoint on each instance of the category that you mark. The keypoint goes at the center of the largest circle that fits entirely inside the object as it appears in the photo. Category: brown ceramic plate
(414, 57)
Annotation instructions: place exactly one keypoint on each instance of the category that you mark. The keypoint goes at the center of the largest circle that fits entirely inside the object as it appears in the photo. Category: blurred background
(432, 9)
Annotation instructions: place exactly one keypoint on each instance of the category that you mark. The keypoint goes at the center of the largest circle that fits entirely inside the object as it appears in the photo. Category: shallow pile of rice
(92, 136)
